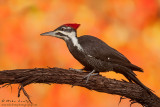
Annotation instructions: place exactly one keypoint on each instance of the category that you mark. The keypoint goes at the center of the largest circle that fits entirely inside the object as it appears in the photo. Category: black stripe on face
(65, 28)
(61, 34)
(68, 30)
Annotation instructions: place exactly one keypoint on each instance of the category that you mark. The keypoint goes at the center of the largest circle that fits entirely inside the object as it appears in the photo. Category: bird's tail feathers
(134, 67)
(133, 78)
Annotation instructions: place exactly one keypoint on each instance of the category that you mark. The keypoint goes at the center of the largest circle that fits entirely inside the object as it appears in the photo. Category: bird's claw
(88, 75)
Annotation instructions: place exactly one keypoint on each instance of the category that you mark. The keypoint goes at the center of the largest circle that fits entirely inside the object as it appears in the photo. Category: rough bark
(63, 76)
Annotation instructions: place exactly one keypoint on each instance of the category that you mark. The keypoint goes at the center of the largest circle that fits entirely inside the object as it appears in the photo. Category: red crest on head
(73, 25)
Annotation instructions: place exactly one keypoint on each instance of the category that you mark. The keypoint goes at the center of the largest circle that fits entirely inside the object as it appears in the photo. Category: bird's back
(101, 51)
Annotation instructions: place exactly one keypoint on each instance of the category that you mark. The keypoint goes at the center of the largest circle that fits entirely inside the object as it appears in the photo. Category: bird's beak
(51, 33)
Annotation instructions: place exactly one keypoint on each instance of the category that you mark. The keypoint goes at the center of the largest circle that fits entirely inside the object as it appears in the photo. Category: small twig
(26, 82)
(132, 102)
(121, 98)
(6, 85)
(24, 92)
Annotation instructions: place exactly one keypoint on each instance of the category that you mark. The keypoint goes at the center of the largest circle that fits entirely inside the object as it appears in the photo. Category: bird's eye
(62, 28)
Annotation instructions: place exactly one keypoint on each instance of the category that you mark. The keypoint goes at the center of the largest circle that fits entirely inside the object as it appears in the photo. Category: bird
(95, 55)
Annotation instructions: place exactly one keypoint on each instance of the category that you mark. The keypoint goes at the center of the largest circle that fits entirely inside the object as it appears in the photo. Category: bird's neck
(73, 41)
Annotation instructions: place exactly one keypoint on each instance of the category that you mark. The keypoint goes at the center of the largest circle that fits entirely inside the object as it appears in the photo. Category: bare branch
(62, 76)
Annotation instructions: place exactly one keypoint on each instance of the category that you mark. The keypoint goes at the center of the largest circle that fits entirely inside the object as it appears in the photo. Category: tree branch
(63, 76)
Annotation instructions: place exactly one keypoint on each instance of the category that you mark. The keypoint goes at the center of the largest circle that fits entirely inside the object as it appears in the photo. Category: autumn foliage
(130, 26)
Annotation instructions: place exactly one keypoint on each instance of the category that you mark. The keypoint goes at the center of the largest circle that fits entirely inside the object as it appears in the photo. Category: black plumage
(95, 55)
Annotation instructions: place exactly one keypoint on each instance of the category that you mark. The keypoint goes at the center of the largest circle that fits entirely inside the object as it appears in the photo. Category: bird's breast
(80, 55)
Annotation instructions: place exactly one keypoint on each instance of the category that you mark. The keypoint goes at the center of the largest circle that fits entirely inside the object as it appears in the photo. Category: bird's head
(65, 32)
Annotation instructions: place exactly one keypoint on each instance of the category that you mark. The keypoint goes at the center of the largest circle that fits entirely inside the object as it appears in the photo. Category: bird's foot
(77, 70)
(90, 74)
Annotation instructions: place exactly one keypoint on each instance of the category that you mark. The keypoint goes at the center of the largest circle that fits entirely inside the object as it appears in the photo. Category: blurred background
(130, 26)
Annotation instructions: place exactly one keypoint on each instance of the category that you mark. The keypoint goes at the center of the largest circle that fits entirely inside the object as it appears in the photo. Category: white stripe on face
(72, 36)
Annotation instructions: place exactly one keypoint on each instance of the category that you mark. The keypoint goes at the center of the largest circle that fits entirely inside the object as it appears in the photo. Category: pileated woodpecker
(95, 55)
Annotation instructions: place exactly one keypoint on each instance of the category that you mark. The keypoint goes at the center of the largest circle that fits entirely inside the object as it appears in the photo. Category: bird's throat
(75, 42)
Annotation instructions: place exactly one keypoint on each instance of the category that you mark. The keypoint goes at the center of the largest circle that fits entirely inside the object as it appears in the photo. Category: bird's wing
(100, 50)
